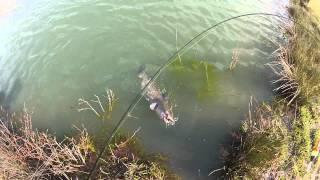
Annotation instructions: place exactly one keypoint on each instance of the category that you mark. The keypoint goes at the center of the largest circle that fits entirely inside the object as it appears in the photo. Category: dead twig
(235, 59)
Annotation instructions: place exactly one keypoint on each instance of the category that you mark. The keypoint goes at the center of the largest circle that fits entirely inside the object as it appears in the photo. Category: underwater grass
(202, 74)
(101, 107)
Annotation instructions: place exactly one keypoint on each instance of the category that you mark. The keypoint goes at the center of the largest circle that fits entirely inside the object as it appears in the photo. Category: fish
(158, 100)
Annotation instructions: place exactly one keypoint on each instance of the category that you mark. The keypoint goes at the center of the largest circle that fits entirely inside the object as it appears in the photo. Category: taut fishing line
(179, 52)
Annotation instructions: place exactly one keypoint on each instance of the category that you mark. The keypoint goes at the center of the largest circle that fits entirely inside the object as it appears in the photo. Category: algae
(197, 76)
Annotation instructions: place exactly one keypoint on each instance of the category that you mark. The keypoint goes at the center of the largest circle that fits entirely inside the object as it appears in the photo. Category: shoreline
(277, 139)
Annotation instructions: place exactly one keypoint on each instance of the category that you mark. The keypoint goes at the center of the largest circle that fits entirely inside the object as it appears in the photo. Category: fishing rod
(179, 52)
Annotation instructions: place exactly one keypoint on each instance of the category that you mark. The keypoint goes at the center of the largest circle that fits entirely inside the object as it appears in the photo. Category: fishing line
(179, 52)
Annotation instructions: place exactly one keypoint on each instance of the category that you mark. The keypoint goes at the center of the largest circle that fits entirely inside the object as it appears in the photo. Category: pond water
(54, 52)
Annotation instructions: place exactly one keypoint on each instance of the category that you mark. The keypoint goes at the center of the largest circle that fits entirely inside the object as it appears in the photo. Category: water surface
(54, 52)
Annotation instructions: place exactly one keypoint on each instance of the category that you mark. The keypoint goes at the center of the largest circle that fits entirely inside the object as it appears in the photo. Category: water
(54, 52)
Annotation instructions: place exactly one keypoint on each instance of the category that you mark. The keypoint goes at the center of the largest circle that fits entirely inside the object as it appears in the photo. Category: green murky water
(54, 52)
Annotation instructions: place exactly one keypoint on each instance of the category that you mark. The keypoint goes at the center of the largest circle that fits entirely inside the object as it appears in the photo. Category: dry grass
(29, 154)
(276, 141)
(235, 59)
(305, 54)
(11, 168)
(298, 61)
(125, 160)
(260, 148)
(101, 107)
(39, 155)
(287, 85)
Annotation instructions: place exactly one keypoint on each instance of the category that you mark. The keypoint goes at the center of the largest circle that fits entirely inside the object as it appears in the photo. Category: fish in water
(159, 101)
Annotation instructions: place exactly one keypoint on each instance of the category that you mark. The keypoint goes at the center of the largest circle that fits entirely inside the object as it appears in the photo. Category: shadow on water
(9, 94)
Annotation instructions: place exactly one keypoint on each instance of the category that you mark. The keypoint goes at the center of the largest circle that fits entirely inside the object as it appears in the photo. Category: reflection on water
(55, 52)
(9, 94)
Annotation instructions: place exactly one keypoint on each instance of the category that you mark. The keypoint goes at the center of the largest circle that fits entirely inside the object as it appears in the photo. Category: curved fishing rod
(180, 52)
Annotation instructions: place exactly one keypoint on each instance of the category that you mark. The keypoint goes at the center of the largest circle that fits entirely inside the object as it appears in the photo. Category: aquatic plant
(102, 109)
(178, 53)
(201, 73)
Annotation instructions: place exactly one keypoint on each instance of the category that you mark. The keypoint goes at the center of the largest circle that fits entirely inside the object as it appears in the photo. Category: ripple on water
(63, 50)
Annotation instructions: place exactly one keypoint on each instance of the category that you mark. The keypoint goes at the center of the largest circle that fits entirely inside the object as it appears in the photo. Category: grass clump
(38, 155)
(125, 160)
(102, 107)
(260, 147)
(298, 61)
(276, 140)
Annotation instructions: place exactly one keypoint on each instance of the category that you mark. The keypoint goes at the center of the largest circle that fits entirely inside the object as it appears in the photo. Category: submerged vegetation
(101, 107)
(275, 141)
(201, 73)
